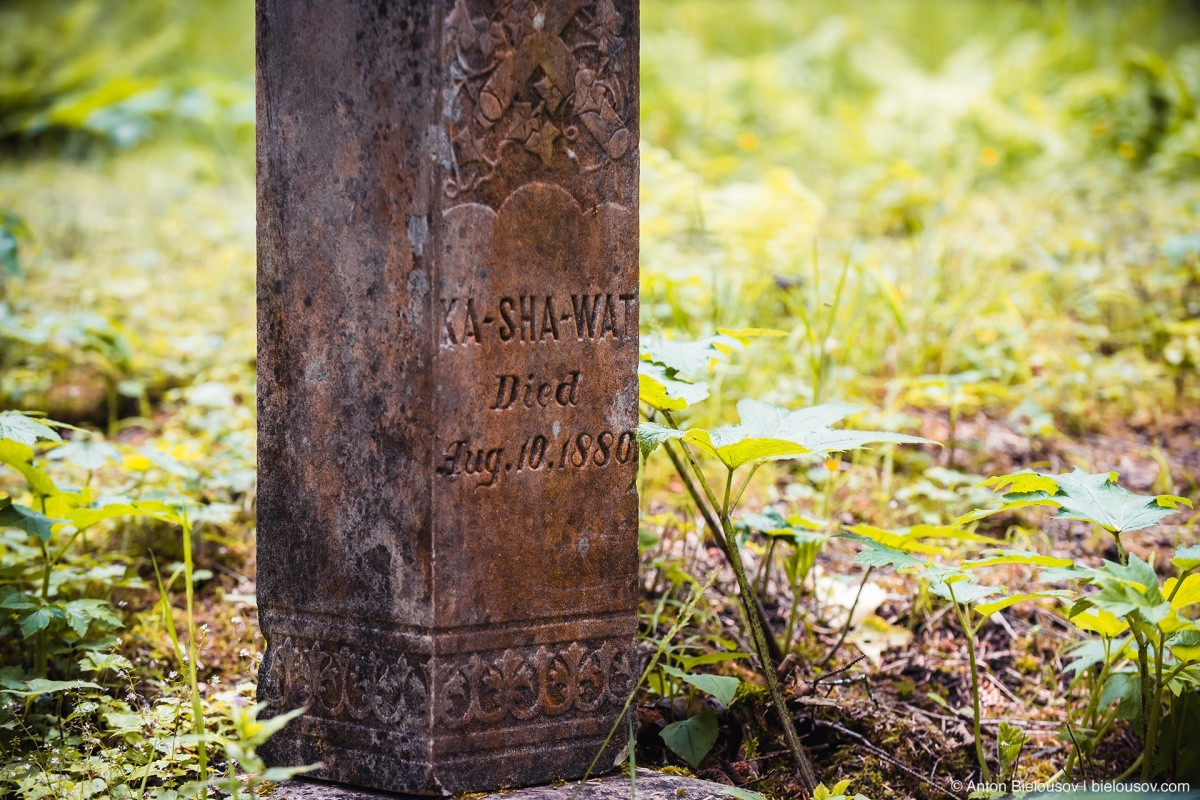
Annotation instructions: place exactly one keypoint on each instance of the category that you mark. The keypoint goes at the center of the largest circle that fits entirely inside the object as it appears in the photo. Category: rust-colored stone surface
(448, 321)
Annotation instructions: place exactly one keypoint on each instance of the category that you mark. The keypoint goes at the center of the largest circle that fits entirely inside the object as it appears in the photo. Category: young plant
(765, 433)
(968, 599)
(804, 538)
(1159, 658)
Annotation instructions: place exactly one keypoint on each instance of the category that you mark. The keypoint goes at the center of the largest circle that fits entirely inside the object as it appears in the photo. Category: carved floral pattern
(544, 77)
(522, 684)
(338, 682)
(343, 683)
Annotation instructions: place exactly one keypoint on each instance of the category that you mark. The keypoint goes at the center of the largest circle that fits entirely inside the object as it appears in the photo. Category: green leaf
(1187, 557)
(1018, 557)
(1011, 505)
(41, 686)
(741, 794)
(1009, 742)
(81, 613)
(659, 391)
(693, 738)
(1097, 498)
(1127, 688)
(734, 450)
(1023, 482)
(20, 457)
(105, 662)
(719, 686)
(1090, 497)
(1099, 621)
(768, 432)
(987, 609)
(650, 435)
(86, 455)
(36, 620)
(689, 359)
(964, 591)
(26, 519)
(19, 428)
(154, 509)
(876, 554)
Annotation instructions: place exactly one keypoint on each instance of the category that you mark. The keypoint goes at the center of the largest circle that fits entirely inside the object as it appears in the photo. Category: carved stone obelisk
(448, 347)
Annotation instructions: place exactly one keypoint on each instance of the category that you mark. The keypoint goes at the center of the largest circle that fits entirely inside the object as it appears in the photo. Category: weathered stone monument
(448, 324)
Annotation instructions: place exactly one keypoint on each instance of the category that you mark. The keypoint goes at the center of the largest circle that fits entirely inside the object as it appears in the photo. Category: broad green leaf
(20, 457)
(104, 662)
(710, 658)
(34, 621)
(963, 591)
(1097, 498)
(1017, 557)
(1099, 621)
(989, 608)
(1090, 497)
(1185, 644)
(664, 393)
(80, 614)
(1187, 557)
(725, 443)
(1136, 572)
(650, 435)
(26, 519)
(1021, 482)
(1011, 505)
(154, 509)
(1130, 589)
(719, 686)
(1126, 687)
(19, 428)
(693, 738)
(768, 432)
(19, 601)
(86, 455)
(1187, 594)
(41, 686)
(875, 554)
(688, 359)
(953, 532)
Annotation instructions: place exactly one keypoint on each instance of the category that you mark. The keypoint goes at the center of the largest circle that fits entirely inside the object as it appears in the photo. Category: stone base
(650, 786)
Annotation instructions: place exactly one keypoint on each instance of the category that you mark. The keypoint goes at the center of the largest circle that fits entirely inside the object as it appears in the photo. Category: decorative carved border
(472, 689)
(522, 684)
(338, 682)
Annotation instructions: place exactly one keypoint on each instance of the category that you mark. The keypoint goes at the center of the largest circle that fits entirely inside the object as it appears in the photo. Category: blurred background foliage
(979, 209)
(1008, 187)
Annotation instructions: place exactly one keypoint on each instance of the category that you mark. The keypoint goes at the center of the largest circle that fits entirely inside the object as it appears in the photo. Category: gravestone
(448, 346)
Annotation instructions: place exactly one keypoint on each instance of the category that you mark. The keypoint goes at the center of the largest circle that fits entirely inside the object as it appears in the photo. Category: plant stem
(197, 711)
(714, 525)
(969, 634)
(1151, 743)
(849, 619)
(807, 774)
(764, 567)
